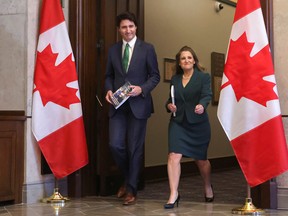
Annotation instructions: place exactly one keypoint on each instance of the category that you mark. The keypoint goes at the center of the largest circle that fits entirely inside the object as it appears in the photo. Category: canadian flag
(249, 109)
(57, 121)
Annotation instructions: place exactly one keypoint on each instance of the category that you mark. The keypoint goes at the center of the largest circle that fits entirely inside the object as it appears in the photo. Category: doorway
(92, 31)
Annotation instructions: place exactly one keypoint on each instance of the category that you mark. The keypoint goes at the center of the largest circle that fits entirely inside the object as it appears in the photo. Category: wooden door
(92, 31)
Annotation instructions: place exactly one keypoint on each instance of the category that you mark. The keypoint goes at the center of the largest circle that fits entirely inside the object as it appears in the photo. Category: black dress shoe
(171, 205)
(210, 199)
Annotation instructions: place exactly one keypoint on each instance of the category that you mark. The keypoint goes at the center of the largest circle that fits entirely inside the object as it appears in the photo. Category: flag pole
(248, 208)
(56, 197)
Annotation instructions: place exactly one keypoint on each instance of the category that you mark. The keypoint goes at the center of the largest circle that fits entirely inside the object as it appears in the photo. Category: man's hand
(108, 96)
(135, 91)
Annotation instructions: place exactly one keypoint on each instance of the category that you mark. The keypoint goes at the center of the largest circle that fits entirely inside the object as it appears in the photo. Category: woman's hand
(199, 109)
(172, 107)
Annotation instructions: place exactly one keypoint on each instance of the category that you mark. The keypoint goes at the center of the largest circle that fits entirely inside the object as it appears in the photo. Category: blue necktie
(125, 59)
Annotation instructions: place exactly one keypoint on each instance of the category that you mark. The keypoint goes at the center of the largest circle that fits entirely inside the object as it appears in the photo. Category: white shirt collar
(131, 43)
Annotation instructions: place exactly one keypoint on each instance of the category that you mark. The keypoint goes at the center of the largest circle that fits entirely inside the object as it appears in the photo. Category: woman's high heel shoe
(210, 199)
(171, 205)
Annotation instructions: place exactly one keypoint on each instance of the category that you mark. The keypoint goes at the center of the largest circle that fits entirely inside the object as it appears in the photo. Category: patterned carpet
(230, 187)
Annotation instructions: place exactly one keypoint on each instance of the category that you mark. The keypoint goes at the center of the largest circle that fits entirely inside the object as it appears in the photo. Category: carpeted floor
(230, 187)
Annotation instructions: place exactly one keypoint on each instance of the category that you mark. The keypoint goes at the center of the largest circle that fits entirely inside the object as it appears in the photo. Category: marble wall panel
(12, 62)
(33, 12)
(13, 7)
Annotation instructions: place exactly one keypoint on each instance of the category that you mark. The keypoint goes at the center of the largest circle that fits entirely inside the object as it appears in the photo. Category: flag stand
(248, 208)
(56, 196)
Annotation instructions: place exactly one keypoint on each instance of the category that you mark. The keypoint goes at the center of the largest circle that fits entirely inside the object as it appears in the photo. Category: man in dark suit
(127, 124)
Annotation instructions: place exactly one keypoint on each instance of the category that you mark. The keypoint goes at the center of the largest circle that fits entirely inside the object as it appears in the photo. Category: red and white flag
(249, 109)
(57, 121)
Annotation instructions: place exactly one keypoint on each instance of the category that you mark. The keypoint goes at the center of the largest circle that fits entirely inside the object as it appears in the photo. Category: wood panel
(82, 31)
(108, 175)
(7, 164)
(12, 155)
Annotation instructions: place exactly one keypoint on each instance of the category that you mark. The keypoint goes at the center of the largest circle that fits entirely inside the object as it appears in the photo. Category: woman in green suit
(189, 127)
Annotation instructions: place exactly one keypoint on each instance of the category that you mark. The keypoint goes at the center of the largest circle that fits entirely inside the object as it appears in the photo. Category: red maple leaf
(246, 73)
(51, 81)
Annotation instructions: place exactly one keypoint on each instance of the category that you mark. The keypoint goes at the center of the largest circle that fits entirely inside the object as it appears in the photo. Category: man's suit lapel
(119, 57)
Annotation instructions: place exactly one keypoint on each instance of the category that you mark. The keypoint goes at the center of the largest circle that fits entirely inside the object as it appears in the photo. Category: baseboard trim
(282, 198)
(158, 173)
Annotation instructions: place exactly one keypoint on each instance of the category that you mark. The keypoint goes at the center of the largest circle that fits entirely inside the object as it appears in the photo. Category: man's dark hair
(126, 16)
